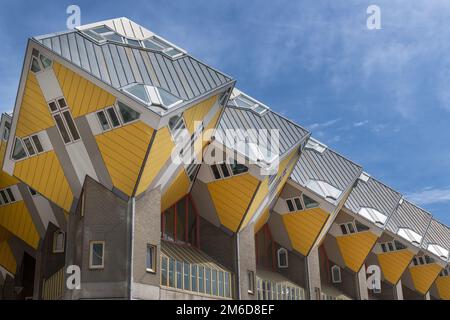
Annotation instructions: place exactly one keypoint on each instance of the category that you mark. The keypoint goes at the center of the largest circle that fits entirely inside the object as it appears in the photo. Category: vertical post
(186, 219)
(175, 222)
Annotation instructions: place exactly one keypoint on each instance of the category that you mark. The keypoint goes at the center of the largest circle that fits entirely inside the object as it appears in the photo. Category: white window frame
(281, 251)
(222, 176)
(102, 35)
(91, 252)
(60, 112)
(165, 46)
(8, 197)
(345, 224)
(181, 124)
(300, 198)
(254, 104)
(333, 278)
(55, 238)
(38, 59)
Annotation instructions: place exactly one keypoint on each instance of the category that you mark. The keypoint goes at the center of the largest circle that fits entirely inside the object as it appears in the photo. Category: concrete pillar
(245, 262)
(361, 279)
(398, 290)
(427, 296)
(313, 274)
(38, 273)
(146, 231)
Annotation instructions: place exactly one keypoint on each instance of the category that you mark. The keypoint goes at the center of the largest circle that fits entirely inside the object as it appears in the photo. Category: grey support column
(246, 262)
(398, 291)
(427, 296)
(313, 273)
(361, 279)
(38, 273)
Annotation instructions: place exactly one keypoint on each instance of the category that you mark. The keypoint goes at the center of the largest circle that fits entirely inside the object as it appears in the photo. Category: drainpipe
(131, 211)
(238, 267)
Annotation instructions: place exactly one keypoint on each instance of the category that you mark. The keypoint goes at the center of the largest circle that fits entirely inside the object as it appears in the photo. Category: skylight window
(104, 33)
(364, 176)
(438, 250)
(315, 145)
(410, 235)
(373, 215)
(155, 43)
(245, 102)
(153, 96)
(324, 189)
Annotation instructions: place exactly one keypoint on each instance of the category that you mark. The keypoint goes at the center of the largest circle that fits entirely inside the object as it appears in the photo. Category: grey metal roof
(235, 118)
(373, 194)
(327, 166)
(408, 215)
(119, 65)
(437, 233)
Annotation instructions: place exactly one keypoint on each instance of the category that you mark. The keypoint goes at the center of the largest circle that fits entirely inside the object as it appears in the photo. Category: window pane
(19, 151)
(351, 229)
(169, 223)
(309, 203)
(94, 35)
(127, 113)
(201, 278)
(113, 116)
(10, 194)
(97, 254)
(383, 247)
(139, 92)
(343, 229)
(167, 98)
(35, 67)
(3, 195)
(46, 62)
(227, 285)
(37, 143)
(187, 276)
(62, 128)
(194, 278)
(164, 271)
(290, 205)
(172, 52)
(225, 171)
(71, 125)
(103, 121)
(298, 203)
(181, 220)
(113, 37)
(134, 42)
(215, 171)
(149, 44)
(29, 146)
(208, 280)
(238, 168)
(62, 103)
(101, 29)
(179, 275)
(214, 282)
(221, 286)
(150, 263)
(52, 106)
(391, 247)
(172, 272)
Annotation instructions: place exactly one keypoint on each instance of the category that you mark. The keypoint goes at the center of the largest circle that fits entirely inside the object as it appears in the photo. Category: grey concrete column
(246, 261)
(361, 279)
(398, 291)
(313, 273)
(146, 231)
(427, 296)
(38, 273)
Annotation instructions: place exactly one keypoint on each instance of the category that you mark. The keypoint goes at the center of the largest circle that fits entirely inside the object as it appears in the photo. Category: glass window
(134, 42)
(221, 284)
(62, 128)
(215, 171)
(336, 274)
(164, 271)
(46, 62)
(151, 258)
(4, 197)
(238, 168)
(172, 52)
(19, 151)
(179, 275)
(150, 44)
(225, 171)
(343, 229)
(251, 281)
(113, 37)
(127, 113)
(214, 282)
(351, 229)
(58, 242)
(360, 227)
(97, 249)
(32, 191)
(391, 246)
(103, 121)
(167, 98)
(72, 128)
(62, 103)
(282, 258)
(138, 90)
(94, 35)
(399, 245)
(29, 146)
(383, 247)
(37, 143)
(187, 276)
(208, 280)
(35, 67)
(194, 278)
(298, 204)
(290, 205)
(10, 195)
(421, 260)
(309, 203)
(101, 29)
(113, 116)
(171, 272)
(201, 279)
(52, 106)
(227, 285)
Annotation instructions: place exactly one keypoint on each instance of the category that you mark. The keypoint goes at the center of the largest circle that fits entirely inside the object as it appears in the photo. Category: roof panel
(408, 215)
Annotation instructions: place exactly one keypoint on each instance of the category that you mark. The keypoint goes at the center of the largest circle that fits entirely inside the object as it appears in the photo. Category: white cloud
(360, 123)
(324, 124)
(430, 196)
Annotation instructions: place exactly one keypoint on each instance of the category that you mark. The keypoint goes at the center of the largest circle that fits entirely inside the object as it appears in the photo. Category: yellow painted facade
(393, 264)
(355, 247)
(17, 220)
(303, 227)
(423, 276)
(160, 152)
(443, 287)
(198, 113)
(34, 115)
(7, 259)
(123, 151)
(82, 96)
(262, 220)
(5, 179)
(44, 174)
(261, 193)
(232, 197)
(177, 190)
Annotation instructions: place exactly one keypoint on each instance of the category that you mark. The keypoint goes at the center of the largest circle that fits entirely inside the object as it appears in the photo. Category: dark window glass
(238, 168)
(383, 247)
(187, 276)
(201, 279)
(103, 121)
(208, 280)
(421, 260)
(225, 171)
(343, 229)
(415, 262)
(52, 106)
(151, 258)
(179, 275)
(171, 272)
(360, 227)
(62, 128)
(220, 281)
(298, 203)
(399, 245)
(10, 194)
(62, 103)
(37, 143)
(290, 205)
(227, 285)
(19, 151)
(391, 246)
(250, 281)
(29, 146)
(127, 113)
(214, 282)
(32, 191)
(309, 203)
(3, 194)
(164, 271)
(194, 278)
(134, 42)
(351, 229)
(113, 116)
(215, 171)
(35, 67)
(71, 125)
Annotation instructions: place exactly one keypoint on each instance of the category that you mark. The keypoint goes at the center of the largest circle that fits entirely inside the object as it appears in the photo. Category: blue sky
(379, 97)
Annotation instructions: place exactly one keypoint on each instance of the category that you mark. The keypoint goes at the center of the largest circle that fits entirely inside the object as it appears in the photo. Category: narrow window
(225, 171)
(37, 143)
(194, 278)
(35, 67)
(97, 255)
(46, 62)
(391, 246)
(62, 128)
(71, 125)
(214, 282)
(201, 279)
(351, 229)
(343, 229)
(10, 194)
(215, 171)
(421, 260)
(298, 204)
(227, 285)
(187, 276)
(290, 205)
(415, 262)
(282, 258)
(179, 275)
(29, 146)
(103, 120)
(58, 242)
(151, 258)
(164, 271)
(208, 280)
(172, 273)
(4, 197)
(221, 287)
(336, 274)
(113, 116)
(251, 281)
(62, 103)
(383, 247)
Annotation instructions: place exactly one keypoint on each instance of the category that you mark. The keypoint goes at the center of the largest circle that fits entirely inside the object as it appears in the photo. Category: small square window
(62, 103)
(97, 255)
(151, 258)
(58, 242)
(52, 106)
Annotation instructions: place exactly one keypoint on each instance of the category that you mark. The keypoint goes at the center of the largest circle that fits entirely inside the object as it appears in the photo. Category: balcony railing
(274, 290)
(53, 287)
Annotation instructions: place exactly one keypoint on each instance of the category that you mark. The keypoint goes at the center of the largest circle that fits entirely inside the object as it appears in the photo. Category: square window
(58, 242)
(52, 106)
(62, 103)
(97, 255)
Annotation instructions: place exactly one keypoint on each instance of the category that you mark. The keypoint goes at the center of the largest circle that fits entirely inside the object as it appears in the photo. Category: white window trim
(345, 224)
(2, 202)
(91, 252)
(55, 235)
(60, 112)
(333, 279)
(294, 204)
(279, 252)
(230, 171)
(38, 59)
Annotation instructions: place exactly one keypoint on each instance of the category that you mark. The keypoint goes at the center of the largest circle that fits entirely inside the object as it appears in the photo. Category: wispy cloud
(360, 123)
(326, 124)
(430, 196)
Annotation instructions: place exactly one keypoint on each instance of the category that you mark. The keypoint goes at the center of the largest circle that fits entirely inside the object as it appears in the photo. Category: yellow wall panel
(7, 259)
(5, 179)
(394, 264)
(178, 189)
(123, 151)
(423, 276)
(303, 227)
(443, 287)
(16, 219)
(197, 113)
(82, 95)
(261, 193)
(232, 197)
(44, 174)
(261, 221)
(4, 234)
(355, 247)
(34, 115)
(160, 152)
